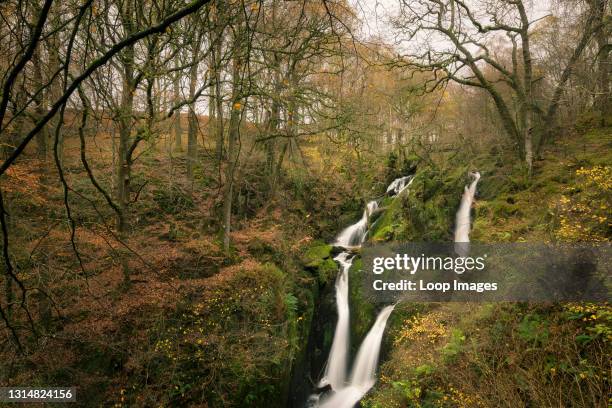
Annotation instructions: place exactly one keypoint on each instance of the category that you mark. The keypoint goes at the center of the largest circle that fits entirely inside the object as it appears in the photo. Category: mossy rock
(316, 255)
(362, 308)
(327, 271)
(386, 225)
(385, 233)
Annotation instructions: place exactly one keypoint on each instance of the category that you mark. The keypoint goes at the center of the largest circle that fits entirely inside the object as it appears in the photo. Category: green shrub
(533, 329)
(454, 345)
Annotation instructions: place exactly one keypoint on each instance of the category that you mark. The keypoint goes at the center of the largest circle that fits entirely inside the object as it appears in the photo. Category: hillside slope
(504, 354)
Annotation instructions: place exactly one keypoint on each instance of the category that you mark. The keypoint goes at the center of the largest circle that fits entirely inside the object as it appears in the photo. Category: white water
(462, 220)
(363, 376)
(354, 235)
(399, 184)
(364, 369)
(335, 371)
(347, 392)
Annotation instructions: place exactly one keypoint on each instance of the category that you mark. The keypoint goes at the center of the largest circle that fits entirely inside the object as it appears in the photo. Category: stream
(341, 388)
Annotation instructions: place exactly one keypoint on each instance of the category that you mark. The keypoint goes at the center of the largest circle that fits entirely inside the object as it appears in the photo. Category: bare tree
(455, 44)
(77, 58)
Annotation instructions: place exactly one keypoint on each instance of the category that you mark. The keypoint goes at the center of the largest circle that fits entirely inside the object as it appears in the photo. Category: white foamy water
(354, 235)
(462, 219)
(363, 375)
(346, 392)
(335, 371)
(399, 184)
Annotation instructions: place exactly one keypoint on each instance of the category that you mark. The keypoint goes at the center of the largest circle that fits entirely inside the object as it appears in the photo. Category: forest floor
(194, 325)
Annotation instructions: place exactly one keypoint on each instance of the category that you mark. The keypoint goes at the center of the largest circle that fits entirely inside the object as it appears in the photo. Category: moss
(436, 197)
(492, 186)
(509, 207)
(318, 259)
(327, 271)
(386, 226)
(383, 233)
(501, 209)
(362, 308)
(316, 254)
(426, 211)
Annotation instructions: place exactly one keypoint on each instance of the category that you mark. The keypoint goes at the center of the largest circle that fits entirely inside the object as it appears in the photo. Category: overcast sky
(375, 14)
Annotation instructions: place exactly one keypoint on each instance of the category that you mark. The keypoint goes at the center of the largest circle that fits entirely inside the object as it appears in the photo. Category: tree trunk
(234, 129)
(526, 109)
(192, 132)
(604, 62)
(125, 129)
(41, 110)
(55, 92)
(271, 128)
(211, 108)
(43, 302)
(218, 97)
(529, 150)
(178, 131)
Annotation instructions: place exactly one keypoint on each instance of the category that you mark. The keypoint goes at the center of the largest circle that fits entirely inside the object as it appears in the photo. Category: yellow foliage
(419, 327)
(462, 399)
(583, 210)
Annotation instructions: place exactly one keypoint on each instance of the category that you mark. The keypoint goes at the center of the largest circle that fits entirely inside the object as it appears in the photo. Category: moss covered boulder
(318, 259)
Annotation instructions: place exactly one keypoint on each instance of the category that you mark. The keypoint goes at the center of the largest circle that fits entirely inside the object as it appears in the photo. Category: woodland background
(172, 170)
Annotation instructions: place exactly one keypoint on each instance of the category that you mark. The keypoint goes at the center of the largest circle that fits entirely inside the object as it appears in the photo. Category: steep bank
(350, 379)
(491, 355)
(195, 324)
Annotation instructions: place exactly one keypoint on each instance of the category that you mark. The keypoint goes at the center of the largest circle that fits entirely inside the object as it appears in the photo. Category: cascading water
(462, 220)
(399, 184)
(335, 371)
(346, 392)
(354, 235)
(363, 376)
(364, 369)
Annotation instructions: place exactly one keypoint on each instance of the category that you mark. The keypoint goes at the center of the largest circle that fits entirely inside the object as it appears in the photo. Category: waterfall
(345, 393)
(363, 376)
(364, 369)
(335, 371)
(354, 235)
(399, 184)
(462, 220)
